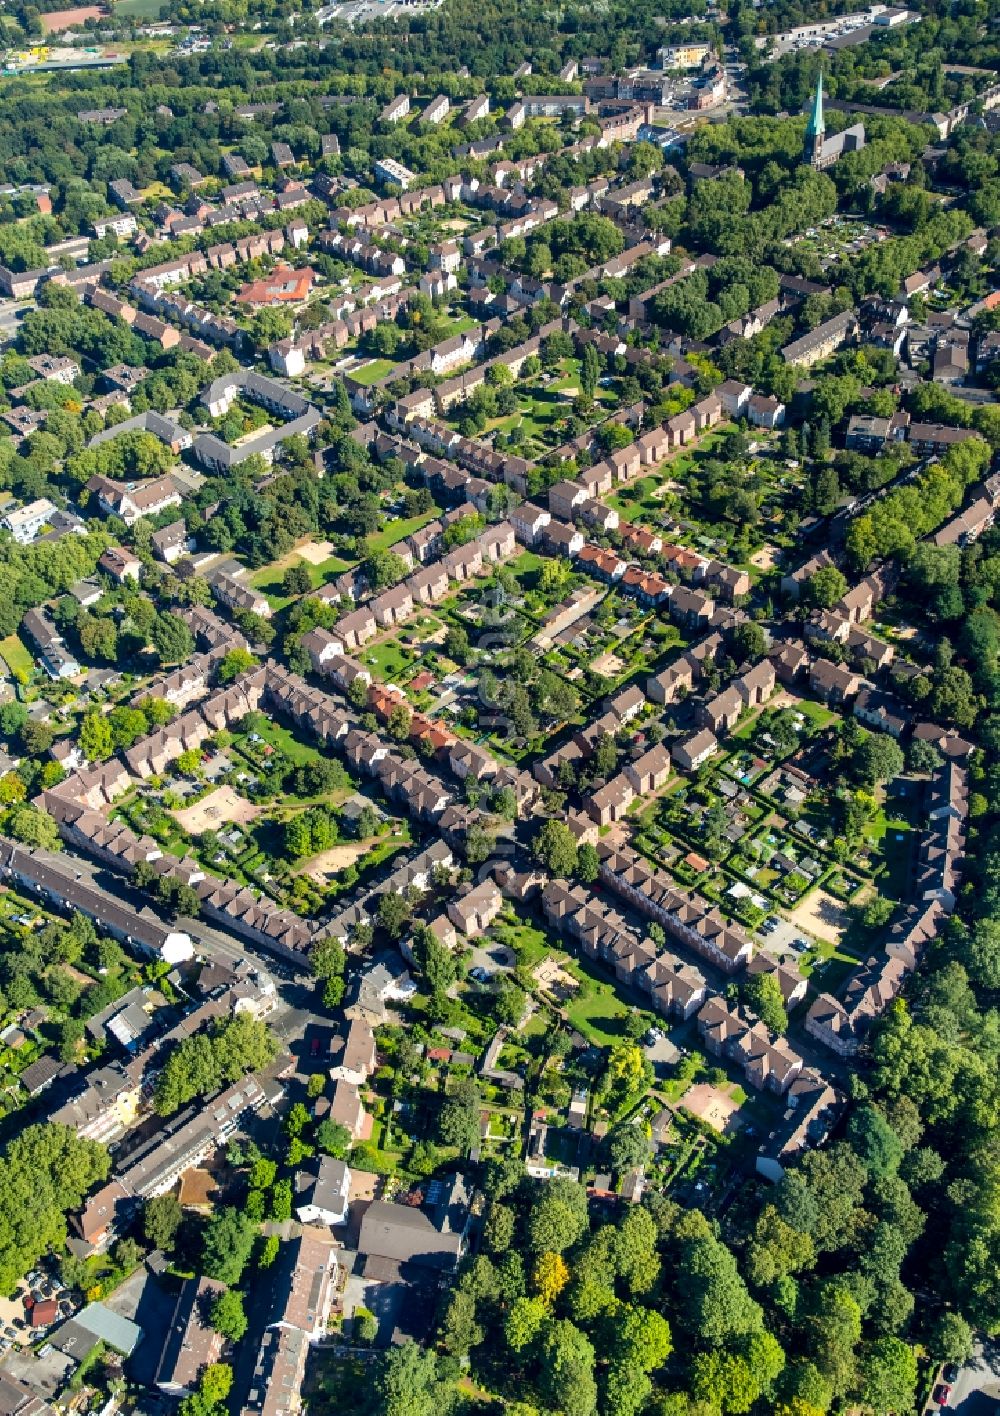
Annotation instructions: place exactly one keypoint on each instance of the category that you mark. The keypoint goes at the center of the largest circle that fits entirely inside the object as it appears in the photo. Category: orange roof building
(284, 286)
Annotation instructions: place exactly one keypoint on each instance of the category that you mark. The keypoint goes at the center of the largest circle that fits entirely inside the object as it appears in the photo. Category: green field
(16, 656)
(599, 1016)
(399, 530)
(373, 371)
(139, 9)
(388, 659)
(293, 748)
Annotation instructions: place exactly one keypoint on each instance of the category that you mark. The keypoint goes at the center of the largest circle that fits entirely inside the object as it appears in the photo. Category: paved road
(977, 1391)
(296, 1005)
(10, 320)
(974, 395)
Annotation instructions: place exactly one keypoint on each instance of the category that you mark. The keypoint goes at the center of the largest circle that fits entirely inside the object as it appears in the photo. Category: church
(820, 151)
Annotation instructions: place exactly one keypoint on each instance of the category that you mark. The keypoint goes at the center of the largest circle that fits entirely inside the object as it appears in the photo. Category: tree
(762, 995)
(456, 644)
(874, 1141)
(227, 1315)
(394, 913)
(566, 1381)
(555, 847)
(45, 1173)
(296, 580)
(458, 1119)
(627, 1147)
(228, 1243)
(216, 1383)
(405, 1382)
(207, 1061)
(981, 954)
(747, 642)
(161, 1219)
(550, 1276)
(724, 1381)
(236, 663)
(605, 758)
(96, 738)
(951, 1339)
(364, 1326)
(877, 759)
(824, 588)
(776, 1249)
(558, 1217)
(639, 1337)
(172, 639)
(525, 1320)
(587, 860)
(511, 1000)
(889, 1376)
(718, 1306)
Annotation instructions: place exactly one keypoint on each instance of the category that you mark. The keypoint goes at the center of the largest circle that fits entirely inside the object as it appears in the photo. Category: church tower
(816, 128)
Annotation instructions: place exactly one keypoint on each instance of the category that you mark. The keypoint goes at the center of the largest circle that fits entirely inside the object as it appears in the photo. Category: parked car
(942, 1394)
(950, 1372)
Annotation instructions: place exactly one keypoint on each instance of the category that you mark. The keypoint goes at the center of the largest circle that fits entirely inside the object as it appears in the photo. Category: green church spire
(817, 124)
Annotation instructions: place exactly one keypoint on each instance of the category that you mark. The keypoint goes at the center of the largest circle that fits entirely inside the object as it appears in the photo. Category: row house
(691, 608)
(181, 685)
(650, 771)
(766, 1059)
(942, 845)
(675, 988)
(238, 595)
(792, 984)
(327, 658)
(842, 1024)
(813, 1106)
(881, 712)
(610, 802)
(730, 583)
(685, 917)
(909, 934)
(835, 684)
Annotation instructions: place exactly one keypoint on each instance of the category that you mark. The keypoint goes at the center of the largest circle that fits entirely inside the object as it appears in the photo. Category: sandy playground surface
(822, 915)
(766, 558)
(221, 808)
(315, 552)
(327, 864)
(712, 1106)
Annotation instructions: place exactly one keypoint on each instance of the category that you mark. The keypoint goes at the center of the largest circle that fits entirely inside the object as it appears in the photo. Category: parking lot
(780, 936)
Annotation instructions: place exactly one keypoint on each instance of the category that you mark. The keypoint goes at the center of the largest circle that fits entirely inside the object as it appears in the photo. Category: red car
(942, 1394)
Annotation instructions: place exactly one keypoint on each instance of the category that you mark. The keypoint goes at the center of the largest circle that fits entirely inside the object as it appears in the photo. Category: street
(977, 1390)
(296, 1005)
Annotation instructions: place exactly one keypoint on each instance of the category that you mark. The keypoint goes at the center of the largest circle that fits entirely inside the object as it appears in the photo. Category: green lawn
(526, 569)
(638, 500)
(139, 9)
(294, 748)
(16, 656)
(600, 1016)
(373, 371)
(388, 659)
(268, 578)
(399, 530)
(530, 944)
